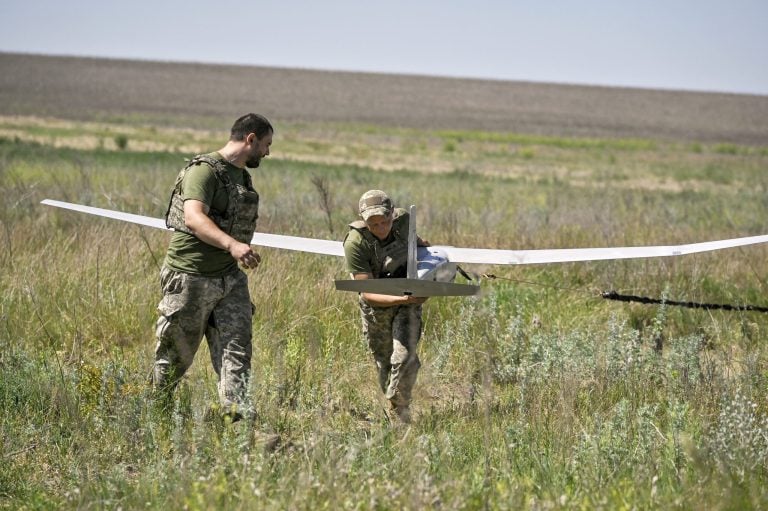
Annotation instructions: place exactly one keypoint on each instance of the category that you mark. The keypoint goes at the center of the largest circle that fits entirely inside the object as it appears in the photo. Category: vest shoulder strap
(219, 169)
(367, 235)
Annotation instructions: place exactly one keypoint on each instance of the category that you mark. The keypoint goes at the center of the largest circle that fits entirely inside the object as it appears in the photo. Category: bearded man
(213, 210)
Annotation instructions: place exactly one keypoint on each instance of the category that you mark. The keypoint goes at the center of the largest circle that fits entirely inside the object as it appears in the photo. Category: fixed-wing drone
(431, 270)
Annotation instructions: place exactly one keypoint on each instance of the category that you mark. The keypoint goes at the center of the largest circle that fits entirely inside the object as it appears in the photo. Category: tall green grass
(537, 394)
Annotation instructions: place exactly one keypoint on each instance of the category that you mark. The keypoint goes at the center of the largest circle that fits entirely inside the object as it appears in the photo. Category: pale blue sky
(710, 45)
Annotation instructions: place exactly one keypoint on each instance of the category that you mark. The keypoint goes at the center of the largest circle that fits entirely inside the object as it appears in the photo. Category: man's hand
(245, 255)
(378, 300)
(200, 224)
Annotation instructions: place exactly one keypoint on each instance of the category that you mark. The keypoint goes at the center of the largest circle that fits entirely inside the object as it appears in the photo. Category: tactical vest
(239, 219)
(391, 260)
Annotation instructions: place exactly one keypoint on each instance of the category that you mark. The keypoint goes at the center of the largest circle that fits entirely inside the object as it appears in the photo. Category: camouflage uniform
(392, 333)
(219, 308)
(204, 291)
(393, 336)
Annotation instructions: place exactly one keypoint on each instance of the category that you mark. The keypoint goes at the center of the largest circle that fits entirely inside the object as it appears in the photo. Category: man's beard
(253, 163)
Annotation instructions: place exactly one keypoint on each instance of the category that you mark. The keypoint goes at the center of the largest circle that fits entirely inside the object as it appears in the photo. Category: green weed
(536, 394)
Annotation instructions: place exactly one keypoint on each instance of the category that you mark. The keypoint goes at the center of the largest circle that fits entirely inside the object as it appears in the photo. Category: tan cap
(375, 202)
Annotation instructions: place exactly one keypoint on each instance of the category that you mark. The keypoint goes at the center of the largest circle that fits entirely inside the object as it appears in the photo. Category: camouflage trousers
(393, 335)
(218, 308)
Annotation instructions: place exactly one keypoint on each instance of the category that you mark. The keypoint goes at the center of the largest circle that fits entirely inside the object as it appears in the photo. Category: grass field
(536, 395)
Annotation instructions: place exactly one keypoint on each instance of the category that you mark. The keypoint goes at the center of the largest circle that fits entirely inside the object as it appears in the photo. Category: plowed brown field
(201, 95)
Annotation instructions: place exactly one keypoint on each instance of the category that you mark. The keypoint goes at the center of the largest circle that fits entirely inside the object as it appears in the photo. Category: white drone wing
(157, 223)
(454, 254)
(312, 245)
(565, 255)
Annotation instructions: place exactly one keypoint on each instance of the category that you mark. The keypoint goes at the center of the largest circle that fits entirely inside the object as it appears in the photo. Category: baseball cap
(375, 202)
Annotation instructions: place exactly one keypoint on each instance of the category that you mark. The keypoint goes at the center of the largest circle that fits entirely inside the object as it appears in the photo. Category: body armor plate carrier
(239, 219)
(391, 260)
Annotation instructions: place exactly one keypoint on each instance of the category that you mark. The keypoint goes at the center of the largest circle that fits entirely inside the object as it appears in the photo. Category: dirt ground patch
(210, 96)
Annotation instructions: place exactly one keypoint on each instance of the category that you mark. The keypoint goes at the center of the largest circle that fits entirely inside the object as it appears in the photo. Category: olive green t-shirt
(360, 255)
(186, 253)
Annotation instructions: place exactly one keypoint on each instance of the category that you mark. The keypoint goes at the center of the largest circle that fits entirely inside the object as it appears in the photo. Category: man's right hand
(199, 223)
(245, 255)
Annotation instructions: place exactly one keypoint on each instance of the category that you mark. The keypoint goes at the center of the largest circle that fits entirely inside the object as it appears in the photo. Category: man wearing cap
(377, 247)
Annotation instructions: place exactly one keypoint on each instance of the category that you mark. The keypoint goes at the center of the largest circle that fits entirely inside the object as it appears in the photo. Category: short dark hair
(250, 123)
